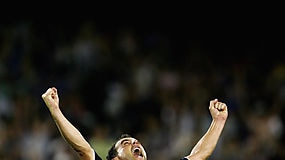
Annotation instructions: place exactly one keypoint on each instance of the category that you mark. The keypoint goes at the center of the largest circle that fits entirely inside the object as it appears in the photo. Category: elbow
(85, 153)
(200, 155)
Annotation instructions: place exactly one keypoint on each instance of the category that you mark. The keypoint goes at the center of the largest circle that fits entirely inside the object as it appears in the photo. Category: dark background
(96, 58)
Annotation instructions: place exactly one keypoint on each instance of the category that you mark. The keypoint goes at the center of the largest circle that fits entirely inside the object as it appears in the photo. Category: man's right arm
(72, 136)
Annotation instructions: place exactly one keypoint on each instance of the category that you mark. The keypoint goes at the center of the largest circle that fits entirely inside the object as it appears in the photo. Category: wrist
(54, 110)
(220, 121)
(220, 117)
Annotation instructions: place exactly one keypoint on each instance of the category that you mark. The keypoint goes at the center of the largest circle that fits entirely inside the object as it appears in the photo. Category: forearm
(72, 135)
(206, 145)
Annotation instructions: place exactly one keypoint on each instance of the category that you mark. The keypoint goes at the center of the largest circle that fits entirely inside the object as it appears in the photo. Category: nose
(136, 142)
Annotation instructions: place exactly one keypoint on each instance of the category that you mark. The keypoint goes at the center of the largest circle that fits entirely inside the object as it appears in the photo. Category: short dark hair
(112, 153)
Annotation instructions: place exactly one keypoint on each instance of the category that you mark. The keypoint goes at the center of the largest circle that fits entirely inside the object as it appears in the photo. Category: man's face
(130, 149)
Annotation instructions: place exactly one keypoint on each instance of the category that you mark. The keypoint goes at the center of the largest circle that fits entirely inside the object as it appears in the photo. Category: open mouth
(137, 152)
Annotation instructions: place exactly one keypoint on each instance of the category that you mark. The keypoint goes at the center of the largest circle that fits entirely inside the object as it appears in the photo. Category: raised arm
(67, 130)
(206, 145)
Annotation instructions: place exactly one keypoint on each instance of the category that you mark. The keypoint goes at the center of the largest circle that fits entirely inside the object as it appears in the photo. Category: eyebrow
(125, 140)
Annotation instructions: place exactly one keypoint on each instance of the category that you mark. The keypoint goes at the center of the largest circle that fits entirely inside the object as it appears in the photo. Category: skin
(206, 145)
(130, 148)
(67, 130)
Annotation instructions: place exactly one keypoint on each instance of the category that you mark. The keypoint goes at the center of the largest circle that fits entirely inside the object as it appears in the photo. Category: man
(127, 147)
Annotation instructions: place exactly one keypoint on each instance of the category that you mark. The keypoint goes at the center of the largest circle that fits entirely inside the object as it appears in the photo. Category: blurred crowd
(153, 85)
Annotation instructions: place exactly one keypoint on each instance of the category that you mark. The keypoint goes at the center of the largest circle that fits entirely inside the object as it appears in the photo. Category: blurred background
(149, 77)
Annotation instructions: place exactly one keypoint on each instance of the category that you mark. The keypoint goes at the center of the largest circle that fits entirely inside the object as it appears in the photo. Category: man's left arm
(206, 145)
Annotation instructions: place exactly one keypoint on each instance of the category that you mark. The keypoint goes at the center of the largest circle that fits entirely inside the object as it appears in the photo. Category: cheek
(144, 153)
(120, 151)
(123, 152)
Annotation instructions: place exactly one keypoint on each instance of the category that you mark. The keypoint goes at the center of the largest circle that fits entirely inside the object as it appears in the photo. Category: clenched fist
(51, 99)
(218, 110)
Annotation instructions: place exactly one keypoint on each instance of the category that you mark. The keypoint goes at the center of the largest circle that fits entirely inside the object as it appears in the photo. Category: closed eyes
(126, 142)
